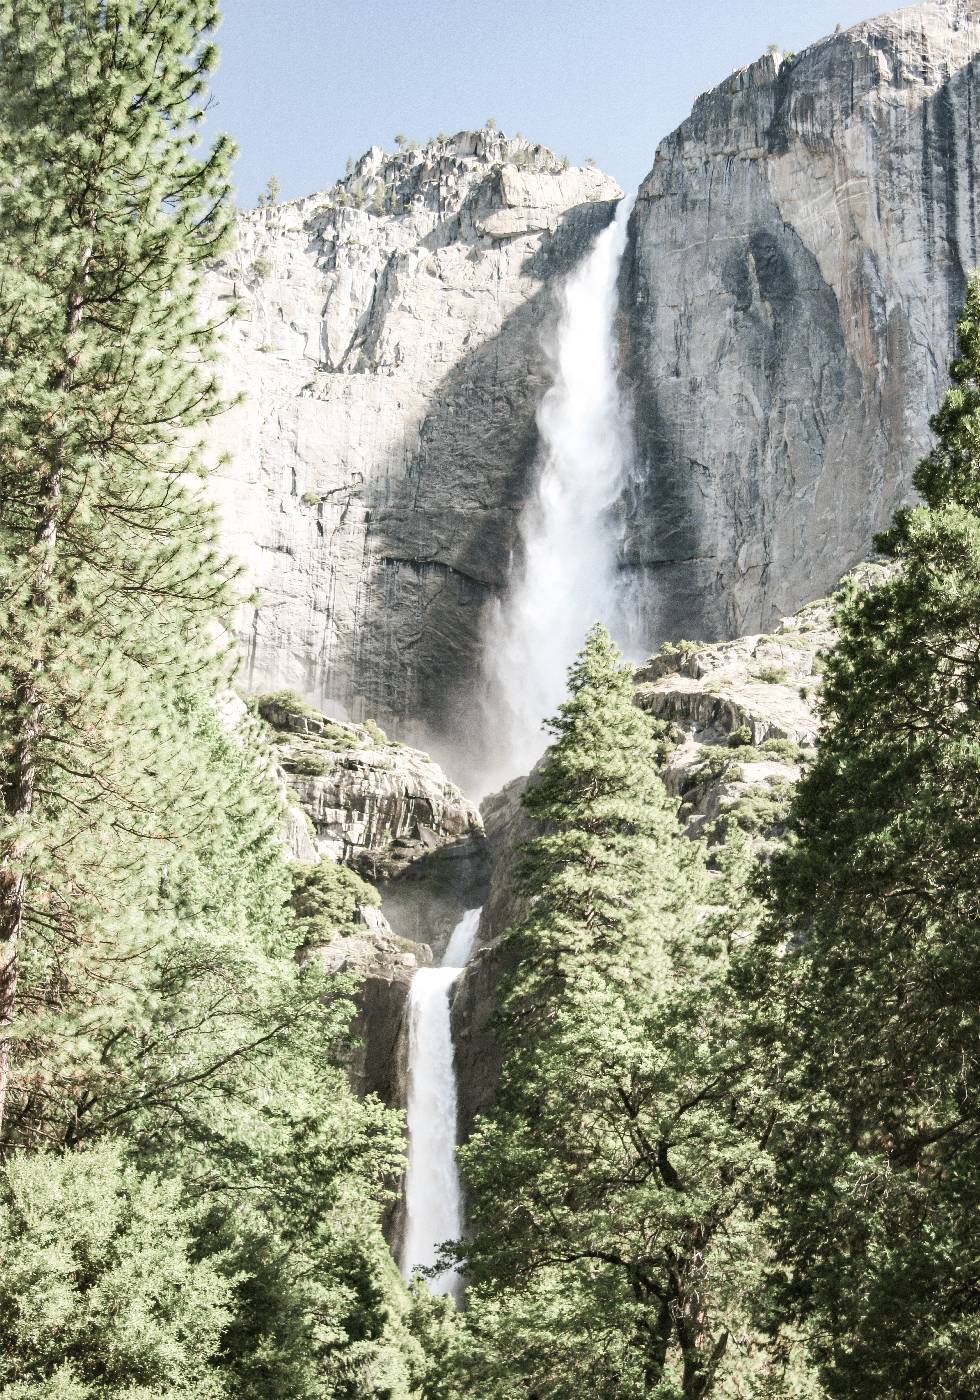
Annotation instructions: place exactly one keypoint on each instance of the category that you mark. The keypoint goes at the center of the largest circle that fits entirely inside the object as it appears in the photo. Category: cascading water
(433, 1200)
(567, 579)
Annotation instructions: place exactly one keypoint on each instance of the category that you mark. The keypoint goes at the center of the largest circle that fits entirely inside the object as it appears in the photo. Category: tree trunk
(28, 700)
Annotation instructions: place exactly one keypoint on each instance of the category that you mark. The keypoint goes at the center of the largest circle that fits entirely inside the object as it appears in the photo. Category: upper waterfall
(567, 575)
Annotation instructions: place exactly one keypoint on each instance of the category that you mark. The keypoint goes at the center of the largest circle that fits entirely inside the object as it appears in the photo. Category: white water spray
(433, 1200)
(568, 577)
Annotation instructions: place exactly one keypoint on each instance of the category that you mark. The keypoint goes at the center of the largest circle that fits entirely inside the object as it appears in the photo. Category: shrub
(326, 898)
(375, 731)
(261, 268)
(716, 760)
(772, 675)
(308, 765)
(764, 808)
(283, 703)
(739, 737)
(785, 750)
(310, 498)
(103, 1291)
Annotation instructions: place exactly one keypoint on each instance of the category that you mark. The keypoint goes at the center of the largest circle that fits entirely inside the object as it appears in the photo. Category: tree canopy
(871, 953)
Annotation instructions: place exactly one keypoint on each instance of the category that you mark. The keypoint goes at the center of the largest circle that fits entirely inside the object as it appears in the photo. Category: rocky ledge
(376, 805)
(743, 717)
(386, 810)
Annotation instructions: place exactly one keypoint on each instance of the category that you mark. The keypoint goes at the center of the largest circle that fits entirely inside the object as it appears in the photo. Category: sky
(303, 84)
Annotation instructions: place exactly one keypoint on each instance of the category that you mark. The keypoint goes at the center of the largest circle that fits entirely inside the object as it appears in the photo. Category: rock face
(385, 964)
(389, 348)
(387, 811)
(797, 261)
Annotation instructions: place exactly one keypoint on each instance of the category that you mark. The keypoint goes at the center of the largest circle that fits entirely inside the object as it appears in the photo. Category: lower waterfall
(433, 1199)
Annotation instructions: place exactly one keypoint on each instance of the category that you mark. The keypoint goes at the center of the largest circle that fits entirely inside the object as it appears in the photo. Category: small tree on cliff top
(608, 1251)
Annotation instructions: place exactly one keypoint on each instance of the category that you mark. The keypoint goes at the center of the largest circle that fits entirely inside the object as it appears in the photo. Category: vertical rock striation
(798, 258)
(388, 348)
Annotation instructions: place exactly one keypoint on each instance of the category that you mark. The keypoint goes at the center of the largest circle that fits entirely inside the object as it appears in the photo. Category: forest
(735, 1145)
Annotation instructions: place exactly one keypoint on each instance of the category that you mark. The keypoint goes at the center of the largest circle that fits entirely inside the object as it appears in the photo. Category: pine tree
(103, 1290)
(609, 1245)
(872, 955)
(109, 571)
(151, 990)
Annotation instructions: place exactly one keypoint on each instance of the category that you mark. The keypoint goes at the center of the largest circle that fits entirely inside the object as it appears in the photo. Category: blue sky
(303, 84)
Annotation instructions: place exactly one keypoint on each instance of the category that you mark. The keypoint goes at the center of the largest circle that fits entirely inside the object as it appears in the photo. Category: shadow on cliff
(444, 533)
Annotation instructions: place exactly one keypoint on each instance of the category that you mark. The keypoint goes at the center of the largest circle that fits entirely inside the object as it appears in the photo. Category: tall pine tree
(872, 956)
(610, 1250)
(109, 574)
(149, 987)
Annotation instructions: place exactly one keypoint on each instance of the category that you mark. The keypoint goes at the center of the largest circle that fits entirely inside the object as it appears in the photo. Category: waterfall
(433, 1200)
(567, 578)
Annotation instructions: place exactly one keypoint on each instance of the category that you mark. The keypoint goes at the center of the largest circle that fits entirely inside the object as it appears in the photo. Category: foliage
(610, 1249)
(772, 675)
(102, 1291)
(215, 1227)
(270, 195)
(762, 810)
(274, 705)
(769, 751)
(872, 956)
(326, 896)
(375, 731)
(109, 573)
(308, 765)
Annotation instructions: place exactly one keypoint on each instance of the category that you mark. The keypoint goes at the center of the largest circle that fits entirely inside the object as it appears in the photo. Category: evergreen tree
(872, 955)
(102, 1291)
(109, 574)
(610, 1249)
(149, 983)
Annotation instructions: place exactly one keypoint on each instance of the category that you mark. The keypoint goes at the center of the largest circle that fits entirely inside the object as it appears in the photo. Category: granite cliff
(389, 350)
(796, 258)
